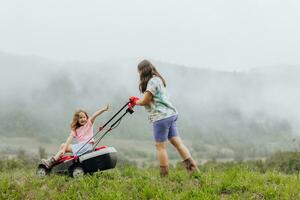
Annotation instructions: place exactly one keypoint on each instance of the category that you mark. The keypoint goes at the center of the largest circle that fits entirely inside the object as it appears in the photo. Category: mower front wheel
(42, 171)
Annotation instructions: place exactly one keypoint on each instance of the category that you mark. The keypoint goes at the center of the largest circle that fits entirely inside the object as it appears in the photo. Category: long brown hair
(147, 71)
(75, 124)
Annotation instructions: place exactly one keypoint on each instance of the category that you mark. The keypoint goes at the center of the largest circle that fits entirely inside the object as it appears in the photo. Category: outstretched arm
(99, 112)
(146, 100)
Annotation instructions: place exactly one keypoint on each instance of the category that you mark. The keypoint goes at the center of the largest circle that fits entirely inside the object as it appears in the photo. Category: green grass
(235, 182)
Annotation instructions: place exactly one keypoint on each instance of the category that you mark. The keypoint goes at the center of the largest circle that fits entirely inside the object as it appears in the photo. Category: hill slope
(226, 113)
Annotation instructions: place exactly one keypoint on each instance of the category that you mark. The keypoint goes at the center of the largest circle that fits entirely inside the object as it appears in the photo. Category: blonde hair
(75, 124)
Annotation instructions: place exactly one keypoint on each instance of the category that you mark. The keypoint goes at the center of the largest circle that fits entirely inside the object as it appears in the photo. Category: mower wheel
(77, 172)
(42, 171)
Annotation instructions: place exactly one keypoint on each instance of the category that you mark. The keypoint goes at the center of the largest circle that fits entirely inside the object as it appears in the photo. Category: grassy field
(234, 182)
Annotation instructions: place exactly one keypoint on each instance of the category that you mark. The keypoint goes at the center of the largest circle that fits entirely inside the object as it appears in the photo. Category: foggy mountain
(226, 111)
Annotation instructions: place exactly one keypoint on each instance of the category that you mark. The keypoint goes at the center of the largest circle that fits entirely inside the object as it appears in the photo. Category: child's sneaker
(49, 162)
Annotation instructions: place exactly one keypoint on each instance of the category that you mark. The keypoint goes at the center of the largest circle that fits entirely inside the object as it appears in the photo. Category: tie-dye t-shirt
(160, 107)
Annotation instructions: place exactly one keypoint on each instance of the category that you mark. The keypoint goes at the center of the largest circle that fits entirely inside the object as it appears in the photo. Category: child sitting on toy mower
(82, 131)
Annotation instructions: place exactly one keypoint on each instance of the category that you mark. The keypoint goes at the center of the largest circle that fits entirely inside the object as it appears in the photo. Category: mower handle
(129, 110)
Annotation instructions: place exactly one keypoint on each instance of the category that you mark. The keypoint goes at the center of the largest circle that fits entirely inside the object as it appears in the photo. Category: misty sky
(219, 34)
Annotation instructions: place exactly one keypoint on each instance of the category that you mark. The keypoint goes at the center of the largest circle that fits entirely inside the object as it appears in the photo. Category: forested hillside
(221, 114)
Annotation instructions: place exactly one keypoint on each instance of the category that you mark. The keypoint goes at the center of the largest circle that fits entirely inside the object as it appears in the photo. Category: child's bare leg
(188, 161)
(162, 153)
(51, 161)
(162, 157)
(59, 154)
(180, 147)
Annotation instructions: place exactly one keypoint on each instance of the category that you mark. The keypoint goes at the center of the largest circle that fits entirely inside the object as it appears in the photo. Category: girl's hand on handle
(133, 100)
(146, 100)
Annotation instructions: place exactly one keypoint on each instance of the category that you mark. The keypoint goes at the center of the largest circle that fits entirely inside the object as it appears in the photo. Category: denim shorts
(165, 129)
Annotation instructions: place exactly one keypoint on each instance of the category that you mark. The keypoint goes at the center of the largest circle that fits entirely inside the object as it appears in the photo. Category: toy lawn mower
(98, 159)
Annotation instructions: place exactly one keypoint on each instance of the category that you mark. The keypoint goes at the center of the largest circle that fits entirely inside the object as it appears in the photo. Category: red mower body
(102, 158)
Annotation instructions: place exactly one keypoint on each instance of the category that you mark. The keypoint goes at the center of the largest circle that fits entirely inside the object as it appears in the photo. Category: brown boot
(164, 171)
(190, 165)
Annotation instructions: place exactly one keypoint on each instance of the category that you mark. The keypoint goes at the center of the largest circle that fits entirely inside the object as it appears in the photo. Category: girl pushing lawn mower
(82, 131)
(163, 115)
